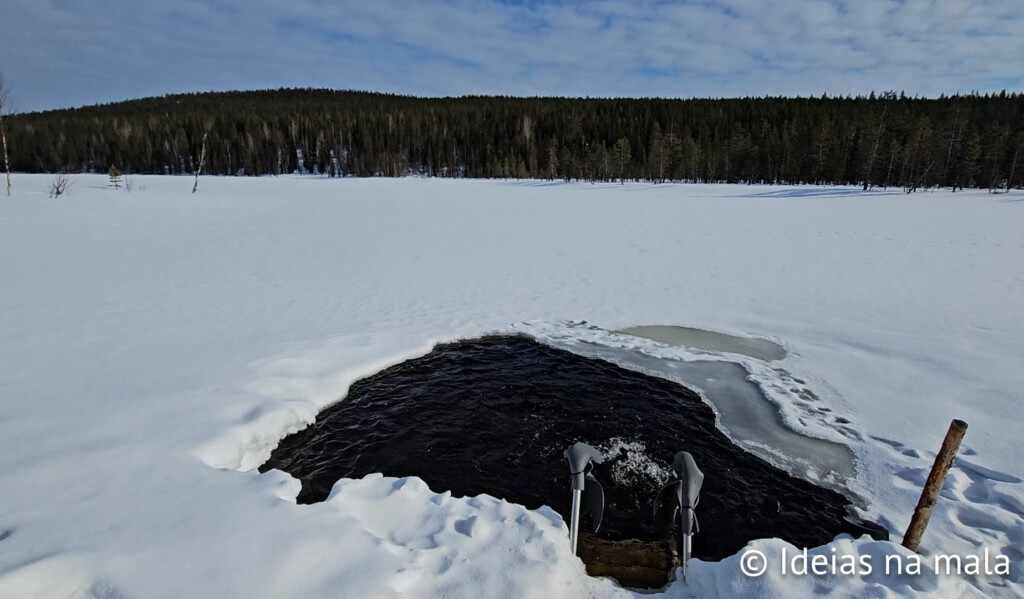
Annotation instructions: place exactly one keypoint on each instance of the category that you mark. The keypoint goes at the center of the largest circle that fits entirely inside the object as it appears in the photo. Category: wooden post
(930, 493)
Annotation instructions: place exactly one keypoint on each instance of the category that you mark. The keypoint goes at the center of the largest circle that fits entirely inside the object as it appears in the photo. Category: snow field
(147, 336)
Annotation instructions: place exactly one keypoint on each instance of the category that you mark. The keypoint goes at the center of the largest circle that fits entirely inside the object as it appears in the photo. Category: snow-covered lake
(155, 346)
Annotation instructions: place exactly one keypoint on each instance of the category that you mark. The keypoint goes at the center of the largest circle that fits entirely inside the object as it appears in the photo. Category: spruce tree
(115, 177)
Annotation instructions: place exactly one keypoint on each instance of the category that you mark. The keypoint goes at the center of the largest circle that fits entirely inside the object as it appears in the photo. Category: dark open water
(494, 415)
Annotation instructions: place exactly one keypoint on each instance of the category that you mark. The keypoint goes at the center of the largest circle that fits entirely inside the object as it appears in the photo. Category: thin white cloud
(63, 53)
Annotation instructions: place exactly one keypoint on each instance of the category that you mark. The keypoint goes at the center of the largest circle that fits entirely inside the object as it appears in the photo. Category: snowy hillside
(156, 345)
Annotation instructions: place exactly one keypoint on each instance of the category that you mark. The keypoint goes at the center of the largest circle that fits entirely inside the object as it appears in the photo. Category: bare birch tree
(623, 156)
(869, 168)
(202, 155)
(5, 93)
(1013, 165)
(955, 138)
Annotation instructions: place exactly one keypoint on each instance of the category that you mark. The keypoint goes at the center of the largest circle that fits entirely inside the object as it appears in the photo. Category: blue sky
(57, 53)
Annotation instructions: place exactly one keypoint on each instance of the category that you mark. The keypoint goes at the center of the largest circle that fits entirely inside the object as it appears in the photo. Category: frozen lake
(157, 346)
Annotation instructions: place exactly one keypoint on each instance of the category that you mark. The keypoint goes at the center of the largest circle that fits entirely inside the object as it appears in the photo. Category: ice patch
(753, 347)
(793, 429)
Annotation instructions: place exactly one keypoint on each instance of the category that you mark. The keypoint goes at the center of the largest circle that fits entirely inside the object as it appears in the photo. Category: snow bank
(148, 336)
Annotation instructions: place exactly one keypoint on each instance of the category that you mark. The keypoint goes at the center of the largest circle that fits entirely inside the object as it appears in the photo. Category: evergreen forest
(886, 140)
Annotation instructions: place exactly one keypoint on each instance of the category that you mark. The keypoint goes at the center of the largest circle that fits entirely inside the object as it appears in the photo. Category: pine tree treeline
(888, 140)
